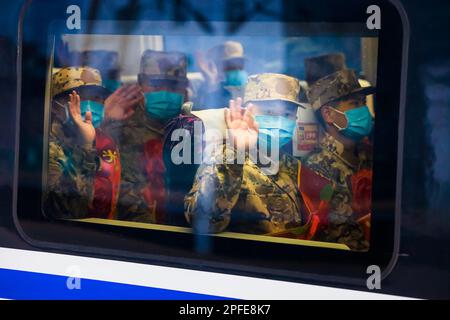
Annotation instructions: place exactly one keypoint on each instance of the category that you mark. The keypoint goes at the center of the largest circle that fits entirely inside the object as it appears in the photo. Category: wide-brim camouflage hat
(84, 79)
(318, 67)
(336, 86)
(272, 87)
(163, 66)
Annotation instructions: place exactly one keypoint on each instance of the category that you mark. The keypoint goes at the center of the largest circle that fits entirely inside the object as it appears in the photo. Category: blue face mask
(359, 123)
(111, 85)
(163, 105)
(97, 110)
(235, 78)
(270, 125)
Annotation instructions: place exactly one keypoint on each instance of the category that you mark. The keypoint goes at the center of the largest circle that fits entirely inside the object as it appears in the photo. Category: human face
(148, 88)
(275, 108)
(61, 102)
(333, 114)
(275, 119)
(92, 97)
(63, 99)
(163, 102)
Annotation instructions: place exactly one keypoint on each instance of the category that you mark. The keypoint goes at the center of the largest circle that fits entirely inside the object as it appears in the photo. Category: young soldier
(144, 184)
(245, 197)
(340, 104)
(224, 75)
(83, 173)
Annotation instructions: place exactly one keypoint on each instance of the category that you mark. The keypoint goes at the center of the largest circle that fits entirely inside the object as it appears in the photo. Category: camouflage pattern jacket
(338, 165)
(242, 198)
(132, 136)
(81, 181)
(70, 176)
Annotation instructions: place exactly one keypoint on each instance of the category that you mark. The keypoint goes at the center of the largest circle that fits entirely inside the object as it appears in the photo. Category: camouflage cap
(76, 78)
(272, 86)
(167, 66)
(336, 86)
(227, 51)
(320, 66)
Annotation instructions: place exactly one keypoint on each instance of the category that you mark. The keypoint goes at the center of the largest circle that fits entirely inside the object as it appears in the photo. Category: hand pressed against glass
(85, 127)
(122, 103)
(242, 126)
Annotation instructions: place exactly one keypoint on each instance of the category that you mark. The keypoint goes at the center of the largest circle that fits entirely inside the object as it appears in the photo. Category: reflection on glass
(262, 137)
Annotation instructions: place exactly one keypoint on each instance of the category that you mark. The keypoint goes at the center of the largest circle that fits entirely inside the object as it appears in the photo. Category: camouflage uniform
(337, 164)
(72, 169)
(317, 67)
(70, 177)
(131, 137)
(244, 198)
(140, 138)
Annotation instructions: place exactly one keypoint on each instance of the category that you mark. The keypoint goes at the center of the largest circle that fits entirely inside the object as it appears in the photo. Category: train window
(265, 142)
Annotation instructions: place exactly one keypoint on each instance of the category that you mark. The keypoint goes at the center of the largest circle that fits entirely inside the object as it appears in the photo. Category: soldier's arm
(70, 182)
(215, 192)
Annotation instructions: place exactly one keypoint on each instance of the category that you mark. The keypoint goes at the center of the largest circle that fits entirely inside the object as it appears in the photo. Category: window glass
(265, 133)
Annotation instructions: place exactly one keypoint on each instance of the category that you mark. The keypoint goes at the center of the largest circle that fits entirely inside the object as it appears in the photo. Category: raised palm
(85, 127)
(208, 69)
(241, 124)
(122, 103)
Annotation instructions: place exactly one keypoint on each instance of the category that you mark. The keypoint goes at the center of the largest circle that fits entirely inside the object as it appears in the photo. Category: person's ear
(327, 115)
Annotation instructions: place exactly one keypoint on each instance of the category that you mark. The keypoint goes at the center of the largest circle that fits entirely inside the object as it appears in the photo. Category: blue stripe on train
(38, 286)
